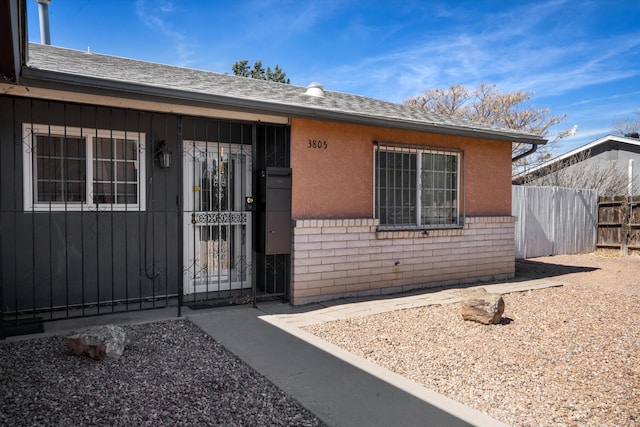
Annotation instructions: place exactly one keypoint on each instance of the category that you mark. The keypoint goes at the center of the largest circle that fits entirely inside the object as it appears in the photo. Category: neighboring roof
(55, 64)
(589, 146)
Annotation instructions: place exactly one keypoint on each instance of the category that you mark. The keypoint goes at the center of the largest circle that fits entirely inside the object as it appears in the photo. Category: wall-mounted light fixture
(163, 154)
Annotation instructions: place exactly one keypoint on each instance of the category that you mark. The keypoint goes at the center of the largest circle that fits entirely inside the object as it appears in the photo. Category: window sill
(76, 207)
(414, 233)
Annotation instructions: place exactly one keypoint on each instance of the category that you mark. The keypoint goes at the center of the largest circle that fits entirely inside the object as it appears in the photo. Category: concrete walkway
(340, 388)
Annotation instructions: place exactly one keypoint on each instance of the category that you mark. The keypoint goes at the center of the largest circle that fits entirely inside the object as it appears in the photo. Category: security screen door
(217, 226)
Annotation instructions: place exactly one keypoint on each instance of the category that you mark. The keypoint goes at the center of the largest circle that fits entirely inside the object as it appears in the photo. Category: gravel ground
(566, 356)
(171, 374)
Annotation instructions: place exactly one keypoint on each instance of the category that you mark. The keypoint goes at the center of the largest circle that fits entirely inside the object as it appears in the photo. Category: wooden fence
(554, 220)
(619, 224)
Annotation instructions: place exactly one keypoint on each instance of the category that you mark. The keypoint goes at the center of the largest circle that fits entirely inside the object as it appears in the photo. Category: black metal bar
(180, 213)
(126, 210)
(16, 208)
(243, 165)
(166, 224)
(142, 183)
(113, 150)
(205, 205)
(228, 207)
(231, 235)
(97, 209)
(33, 217)
(254, 216)
(192, 230)
(2, 235)
(153, 221)
(66, 219)
(49, 217)
(82, 214)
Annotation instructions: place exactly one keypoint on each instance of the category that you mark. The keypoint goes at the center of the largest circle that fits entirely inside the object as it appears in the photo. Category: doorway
(217, 225)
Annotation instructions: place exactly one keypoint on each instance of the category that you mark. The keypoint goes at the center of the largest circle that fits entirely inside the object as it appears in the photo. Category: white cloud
(280, 22)
(462, 60)
(156, 15)
(528, 47)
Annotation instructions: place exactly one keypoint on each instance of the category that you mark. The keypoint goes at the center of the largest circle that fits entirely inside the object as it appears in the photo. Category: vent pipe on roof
(315, 89)
(43, 12)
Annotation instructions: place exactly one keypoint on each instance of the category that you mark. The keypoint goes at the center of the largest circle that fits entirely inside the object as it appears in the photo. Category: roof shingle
(105, 71)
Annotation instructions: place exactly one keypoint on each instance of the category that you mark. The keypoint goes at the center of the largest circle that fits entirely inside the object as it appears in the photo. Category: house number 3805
(316, 143)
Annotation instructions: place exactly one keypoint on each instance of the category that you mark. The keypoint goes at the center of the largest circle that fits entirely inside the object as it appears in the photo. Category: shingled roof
(74, 67)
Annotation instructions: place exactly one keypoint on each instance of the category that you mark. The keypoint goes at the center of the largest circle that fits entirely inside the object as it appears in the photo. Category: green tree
(241, 68)
(487, 105)
(277, 75)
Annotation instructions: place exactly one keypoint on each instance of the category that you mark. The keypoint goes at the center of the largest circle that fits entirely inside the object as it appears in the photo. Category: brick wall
(334, 258)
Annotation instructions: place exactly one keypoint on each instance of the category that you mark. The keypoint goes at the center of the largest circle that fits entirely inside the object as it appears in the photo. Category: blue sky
(579, 58)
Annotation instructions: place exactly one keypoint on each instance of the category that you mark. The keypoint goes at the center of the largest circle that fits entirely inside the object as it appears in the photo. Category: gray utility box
(275, 211)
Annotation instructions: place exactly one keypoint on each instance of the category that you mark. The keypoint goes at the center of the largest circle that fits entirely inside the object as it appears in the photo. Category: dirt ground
(619, 274)
(567, 356)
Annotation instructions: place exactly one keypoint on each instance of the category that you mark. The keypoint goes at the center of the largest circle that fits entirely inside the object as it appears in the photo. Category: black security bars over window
(90, 222)
(418, 187)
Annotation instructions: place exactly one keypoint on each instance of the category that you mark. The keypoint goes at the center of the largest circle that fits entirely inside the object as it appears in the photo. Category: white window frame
(29, 131)
(418, 151)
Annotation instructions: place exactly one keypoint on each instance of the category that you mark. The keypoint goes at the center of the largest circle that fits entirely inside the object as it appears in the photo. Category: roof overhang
(77, 83)
(57, 92)
(22, 80)
(12, 39)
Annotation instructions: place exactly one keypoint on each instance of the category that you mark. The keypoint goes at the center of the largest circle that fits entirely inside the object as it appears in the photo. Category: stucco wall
(335, 180)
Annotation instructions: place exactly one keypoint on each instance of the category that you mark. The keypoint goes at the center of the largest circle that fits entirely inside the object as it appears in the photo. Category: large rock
(480, 306)
(100, 342)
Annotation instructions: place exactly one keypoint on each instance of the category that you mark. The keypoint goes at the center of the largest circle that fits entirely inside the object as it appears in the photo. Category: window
(73, 169)
(417, 187)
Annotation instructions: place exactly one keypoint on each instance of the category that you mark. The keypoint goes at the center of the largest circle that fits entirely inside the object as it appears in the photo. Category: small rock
(99, 342)
(480, 306)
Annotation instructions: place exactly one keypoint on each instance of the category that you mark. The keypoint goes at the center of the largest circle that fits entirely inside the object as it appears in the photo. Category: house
(128, 185)
(608, 164)
(608, 167)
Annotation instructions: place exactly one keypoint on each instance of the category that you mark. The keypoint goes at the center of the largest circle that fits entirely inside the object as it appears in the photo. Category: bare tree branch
(628, 126)
(486, 104)
(606, 176)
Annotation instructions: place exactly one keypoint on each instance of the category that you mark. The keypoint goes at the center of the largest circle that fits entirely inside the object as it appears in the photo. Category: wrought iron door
(217, 225)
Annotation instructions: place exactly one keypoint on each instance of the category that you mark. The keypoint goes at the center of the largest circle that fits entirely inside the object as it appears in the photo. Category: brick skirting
(335, 258)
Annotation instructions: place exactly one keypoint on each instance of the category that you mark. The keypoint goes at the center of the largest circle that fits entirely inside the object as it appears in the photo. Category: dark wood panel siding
(68, 258)
(103, 260)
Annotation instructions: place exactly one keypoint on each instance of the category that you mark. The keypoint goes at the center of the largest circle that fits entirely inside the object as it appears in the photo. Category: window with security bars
(60, 168)
(115, 178)
(417, 187)
(72, 169)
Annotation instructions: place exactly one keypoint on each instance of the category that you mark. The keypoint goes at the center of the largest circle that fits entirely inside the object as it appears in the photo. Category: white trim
(416, 149)
(31, 129)
(135, 104)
